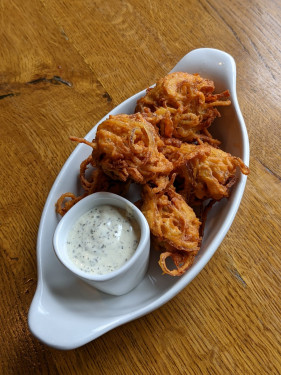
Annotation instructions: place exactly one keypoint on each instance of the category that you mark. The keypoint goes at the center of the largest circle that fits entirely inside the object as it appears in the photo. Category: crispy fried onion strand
(63, 205)
(181, 259)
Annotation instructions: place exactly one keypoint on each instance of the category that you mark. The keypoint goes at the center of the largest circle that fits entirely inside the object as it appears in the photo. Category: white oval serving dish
(65, 312)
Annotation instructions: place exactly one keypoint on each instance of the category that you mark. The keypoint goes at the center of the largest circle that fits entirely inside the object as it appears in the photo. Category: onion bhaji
(164, 147)
(174, 227)
(127, 147)
(209, 174)
(185, 105)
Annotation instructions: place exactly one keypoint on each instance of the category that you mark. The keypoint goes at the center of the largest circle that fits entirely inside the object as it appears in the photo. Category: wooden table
(63, 66)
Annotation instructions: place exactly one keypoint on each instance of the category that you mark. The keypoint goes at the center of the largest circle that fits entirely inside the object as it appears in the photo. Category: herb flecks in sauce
(103, 239)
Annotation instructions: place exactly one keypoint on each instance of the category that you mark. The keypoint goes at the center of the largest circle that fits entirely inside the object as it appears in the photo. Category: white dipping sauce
(103, 239)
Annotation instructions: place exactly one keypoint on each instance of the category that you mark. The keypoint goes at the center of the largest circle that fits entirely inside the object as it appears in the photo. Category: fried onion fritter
(127, 147)
(208, 175)
(213, 177)
(174, 226)
(185, 105)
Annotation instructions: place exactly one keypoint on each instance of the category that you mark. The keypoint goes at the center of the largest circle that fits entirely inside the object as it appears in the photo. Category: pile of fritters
(167, 149)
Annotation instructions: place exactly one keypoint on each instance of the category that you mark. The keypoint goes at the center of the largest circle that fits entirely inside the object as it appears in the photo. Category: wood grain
(63, 66)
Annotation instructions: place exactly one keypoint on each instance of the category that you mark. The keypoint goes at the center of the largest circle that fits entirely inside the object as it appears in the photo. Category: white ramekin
(127, 277)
